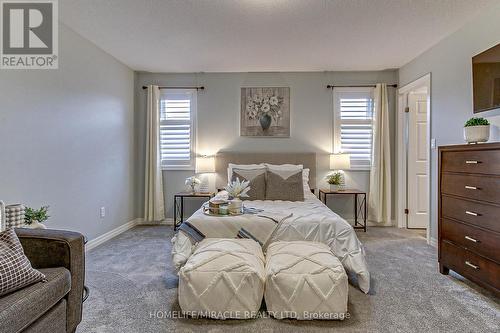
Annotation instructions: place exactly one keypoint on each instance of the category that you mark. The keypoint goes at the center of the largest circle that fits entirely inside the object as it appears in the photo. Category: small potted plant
(476, 130)
(34, 218)
(335, 181)
(237, 190)
(192, 182)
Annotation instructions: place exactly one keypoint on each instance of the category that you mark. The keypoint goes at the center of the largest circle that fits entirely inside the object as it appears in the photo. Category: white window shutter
(353, 128)
(177, 114)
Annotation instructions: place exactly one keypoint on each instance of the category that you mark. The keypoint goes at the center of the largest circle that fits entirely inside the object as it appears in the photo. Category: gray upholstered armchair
(55, 305)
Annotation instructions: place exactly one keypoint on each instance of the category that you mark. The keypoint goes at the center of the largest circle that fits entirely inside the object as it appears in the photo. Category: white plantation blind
(177, 119)
(353, 125)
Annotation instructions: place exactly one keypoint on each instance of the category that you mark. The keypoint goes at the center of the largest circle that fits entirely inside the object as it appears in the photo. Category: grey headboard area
(222, 159)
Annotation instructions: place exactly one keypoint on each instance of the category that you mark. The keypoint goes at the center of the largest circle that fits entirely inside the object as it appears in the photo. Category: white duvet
(311, 220)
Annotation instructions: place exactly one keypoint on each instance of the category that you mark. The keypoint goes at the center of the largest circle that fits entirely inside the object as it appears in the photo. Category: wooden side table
(360, 208)
(179, 204)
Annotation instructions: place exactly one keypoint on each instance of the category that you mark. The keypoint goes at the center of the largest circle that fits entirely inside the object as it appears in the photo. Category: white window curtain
(154, 206)
(380, 172)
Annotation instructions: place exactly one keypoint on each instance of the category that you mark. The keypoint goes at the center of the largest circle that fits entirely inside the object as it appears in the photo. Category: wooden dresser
(469, 212)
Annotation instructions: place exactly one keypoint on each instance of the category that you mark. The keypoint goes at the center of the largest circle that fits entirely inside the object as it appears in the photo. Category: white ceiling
(266, 35)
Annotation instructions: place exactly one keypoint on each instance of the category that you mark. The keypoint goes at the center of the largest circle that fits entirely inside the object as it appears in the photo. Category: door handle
(470, 187)
(471, 162)
(471, 265)
(471, 239)
(471, 213)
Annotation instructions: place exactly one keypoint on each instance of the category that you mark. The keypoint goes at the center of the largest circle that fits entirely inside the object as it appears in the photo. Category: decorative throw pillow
(289, 188)
(15, 269)
(257, 179)
(232, 166)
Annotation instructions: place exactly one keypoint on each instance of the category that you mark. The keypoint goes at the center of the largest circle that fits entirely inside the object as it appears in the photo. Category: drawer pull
(470, 187)
(471, 162)
(471, 239)
(471, 265)
(471, 213)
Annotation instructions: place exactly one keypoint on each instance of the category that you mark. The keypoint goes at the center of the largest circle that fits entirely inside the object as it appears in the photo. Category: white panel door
(418, 175)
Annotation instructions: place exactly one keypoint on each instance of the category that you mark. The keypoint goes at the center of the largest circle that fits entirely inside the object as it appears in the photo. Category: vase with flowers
(192, 182)
(237, 189)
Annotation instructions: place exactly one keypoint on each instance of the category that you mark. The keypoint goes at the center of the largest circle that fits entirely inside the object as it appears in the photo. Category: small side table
(360, 209)
(179, 204)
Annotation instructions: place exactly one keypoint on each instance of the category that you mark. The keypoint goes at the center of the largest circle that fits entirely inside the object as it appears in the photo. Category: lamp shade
(340, 161)
(205, 164)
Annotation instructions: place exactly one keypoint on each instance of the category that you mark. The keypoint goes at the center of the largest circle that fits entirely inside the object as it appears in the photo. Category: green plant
(36, 215)
(334, 178)
(476, 122)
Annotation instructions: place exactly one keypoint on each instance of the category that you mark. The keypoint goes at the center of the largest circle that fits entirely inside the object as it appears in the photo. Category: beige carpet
(134, 289)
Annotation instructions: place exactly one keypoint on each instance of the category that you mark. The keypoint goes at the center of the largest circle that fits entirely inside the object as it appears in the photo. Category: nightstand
(179, 204)
(360, 208)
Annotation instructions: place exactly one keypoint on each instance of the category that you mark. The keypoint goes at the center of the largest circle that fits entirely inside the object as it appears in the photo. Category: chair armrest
(47, 248)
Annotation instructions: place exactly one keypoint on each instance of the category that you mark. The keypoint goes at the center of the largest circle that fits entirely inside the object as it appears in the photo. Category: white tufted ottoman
(223, 278)
(304, 280)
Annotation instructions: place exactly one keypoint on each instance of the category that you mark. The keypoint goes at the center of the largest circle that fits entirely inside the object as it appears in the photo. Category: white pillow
(232, 166)
(284, 170)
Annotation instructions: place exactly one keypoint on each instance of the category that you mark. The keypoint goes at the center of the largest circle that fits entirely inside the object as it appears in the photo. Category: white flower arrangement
(192, 182)
(237, 189)
(268, 104)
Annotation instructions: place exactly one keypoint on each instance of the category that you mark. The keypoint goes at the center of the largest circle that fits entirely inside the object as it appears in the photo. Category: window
(177, 128)
(353, 123)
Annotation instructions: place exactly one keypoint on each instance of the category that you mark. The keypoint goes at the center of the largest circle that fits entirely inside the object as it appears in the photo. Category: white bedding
(311, 221)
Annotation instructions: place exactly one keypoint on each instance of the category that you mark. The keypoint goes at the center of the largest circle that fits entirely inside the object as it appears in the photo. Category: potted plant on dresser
(476, 130)
(34, 218)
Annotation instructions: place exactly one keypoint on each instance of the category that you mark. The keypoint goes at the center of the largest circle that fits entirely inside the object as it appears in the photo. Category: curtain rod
(331, 86)
(163, 87)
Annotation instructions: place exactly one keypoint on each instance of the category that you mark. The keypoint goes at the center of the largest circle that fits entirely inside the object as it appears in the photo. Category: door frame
(424, 81)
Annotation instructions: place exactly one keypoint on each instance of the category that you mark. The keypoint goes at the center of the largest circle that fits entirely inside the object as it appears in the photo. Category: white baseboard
(371, 223)
(167, 221)
(111, 234)
(433, 242)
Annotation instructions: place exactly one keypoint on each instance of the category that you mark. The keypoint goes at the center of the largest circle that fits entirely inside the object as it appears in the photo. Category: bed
(308, 220)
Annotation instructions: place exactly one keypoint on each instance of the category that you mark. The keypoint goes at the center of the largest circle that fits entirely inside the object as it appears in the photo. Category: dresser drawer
(473, 187)
(482, 215)
(482, 242)
(470, 265)
(471, 161)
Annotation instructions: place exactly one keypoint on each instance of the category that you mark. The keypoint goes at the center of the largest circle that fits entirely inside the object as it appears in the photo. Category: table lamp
(340, 162)
(204, 164)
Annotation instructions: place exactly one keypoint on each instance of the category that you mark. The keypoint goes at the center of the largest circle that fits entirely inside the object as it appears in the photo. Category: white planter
(334, 187)
(35, 225)
(234, 206)
(474, 134)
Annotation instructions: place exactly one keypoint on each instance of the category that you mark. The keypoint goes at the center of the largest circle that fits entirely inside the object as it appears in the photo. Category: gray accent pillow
(257, 181)
(15, 268)
(286, 189)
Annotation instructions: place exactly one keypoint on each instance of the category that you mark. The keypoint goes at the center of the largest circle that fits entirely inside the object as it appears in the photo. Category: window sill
(177, 168)
(358, 169)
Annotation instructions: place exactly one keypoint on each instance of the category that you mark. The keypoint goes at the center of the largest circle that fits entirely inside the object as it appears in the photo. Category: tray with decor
(220, 208)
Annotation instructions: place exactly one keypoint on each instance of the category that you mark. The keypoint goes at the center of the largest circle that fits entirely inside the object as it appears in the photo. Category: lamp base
(342, 181)
(203, 187)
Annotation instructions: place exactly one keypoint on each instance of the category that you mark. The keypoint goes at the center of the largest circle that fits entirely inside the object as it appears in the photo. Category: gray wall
(67, 138)
(218, 120)
(449, 63)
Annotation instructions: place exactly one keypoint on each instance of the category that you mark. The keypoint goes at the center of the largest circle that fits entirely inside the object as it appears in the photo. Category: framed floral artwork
(265, 112)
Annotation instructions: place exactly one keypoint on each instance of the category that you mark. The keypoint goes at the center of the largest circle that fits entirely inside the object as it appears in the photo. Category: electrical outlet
(102, 212)
(433, 143)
